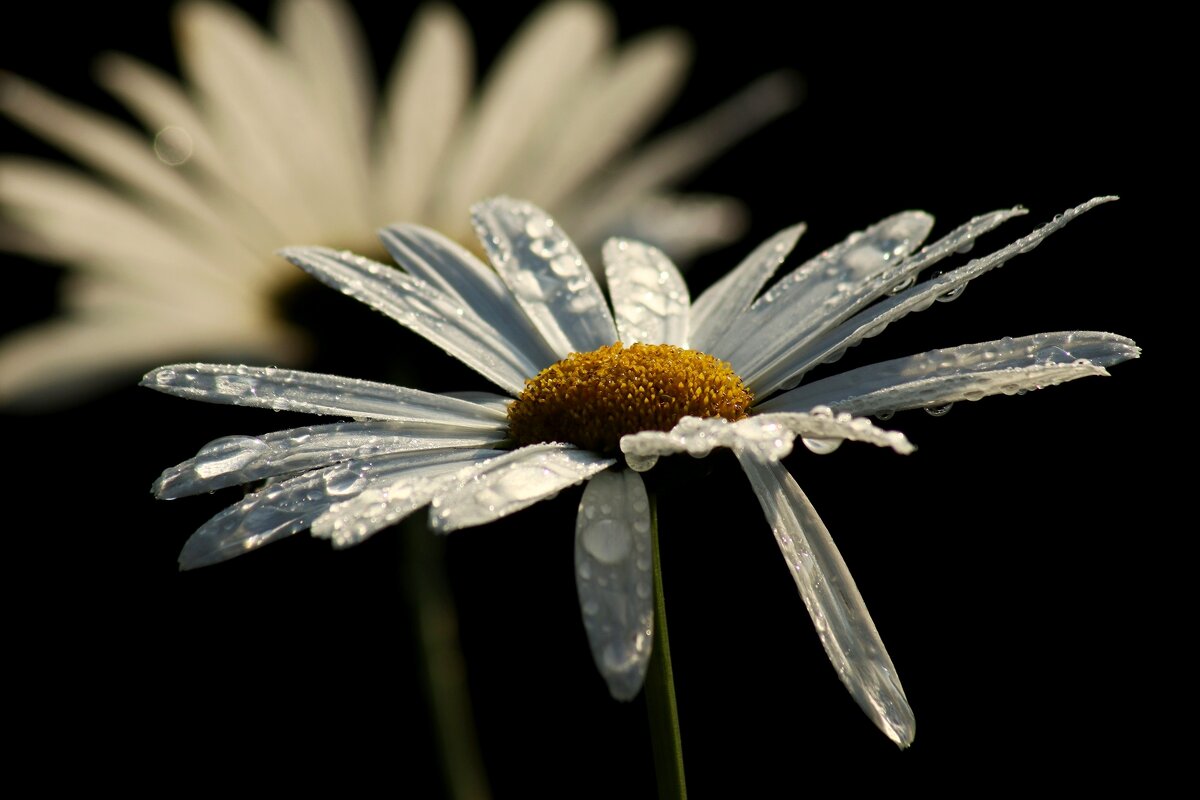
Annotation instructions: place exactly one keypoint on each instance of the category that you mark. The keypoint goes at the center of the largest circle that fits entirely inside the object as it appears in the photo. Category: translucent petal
(873, 320)
(442, 319)
(766, 437)
(234, 460)
(803, 296)
(512, 482)
(283, 508)
(727, 299)
(313, 393)
(545, 272)
(649, 296)
(385, 503)
(837, 609)
(456, 271)
(428, 89)
(893, 277)
(969, 372)
(612, 574)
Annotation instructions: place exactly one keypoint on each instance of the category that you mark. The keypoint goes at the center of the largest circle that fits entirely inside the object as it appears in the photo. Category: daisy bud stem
(660, 690)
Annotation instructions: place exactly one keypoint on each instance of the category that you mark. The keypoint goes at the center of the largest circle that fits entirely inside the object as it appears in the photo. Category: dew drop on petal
(939, 411)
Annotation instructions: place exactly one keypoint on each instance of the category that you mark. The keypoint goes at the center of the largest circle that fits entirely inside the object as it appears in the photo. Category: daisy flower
(273, 140)
(598, 388)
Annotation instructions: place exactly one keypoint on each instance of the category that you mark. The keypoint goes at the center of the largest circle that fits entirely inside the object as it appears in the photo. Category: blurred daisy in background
(271, 141)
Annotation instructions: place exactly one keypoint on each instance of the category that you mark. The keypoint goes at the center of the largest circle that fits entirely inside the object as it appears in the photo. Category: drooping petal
(234, 460)
(534, 75)
(873, 320)
(456, 271)
(612, 574)
(892, 277)
(716, 309)
(281, 509)
(442, 319)
(837, 609)
(512, 482)
(313, 393)
(649, 296)
(385, 503)
(427, 92)
(801, 297)
(969, 372)
(765, 437)
(545, 272)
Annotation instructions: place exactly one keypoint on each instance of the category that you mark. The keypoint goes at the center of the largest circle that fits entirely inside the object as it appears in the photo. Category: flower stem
(660, 690)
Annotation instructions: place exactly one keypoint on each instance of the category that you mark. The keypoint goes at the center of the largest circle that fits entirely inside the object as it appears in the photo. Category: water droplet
(884, 416)
(966, 247)
(607, 541)
(902, 285)
(173, 145)
(343, 481)
(821, 446)
(939, 411)
(953, 294)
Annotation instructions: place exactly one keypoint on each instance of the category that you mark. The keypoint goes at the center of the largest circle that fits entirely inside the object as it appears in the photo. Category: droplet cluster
(593, 399)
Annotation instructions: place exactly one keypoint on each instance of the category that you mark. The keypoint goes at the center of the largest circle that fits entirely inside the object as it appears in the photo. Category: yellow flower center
(593, 399)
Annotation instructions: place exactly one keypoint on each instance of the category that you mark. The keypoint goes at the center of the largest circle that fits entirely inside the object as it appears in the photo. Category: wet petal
(969, 372)
(612, 574)
(545, 272)
(444, 320)
(313, 393)
(837, 609)
(512, 482)
(649, 296)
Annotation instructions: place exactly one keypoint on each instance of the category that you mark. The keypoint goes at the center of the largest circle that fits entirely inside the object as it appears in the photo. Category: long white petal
(612, 574)
(873, 320)
(427, 92)
(284, 508)
(837, 609)
(765, 437)
(233, 460)
(457, 272)
(312, 393)
(649, 296)
(512, 482)
(716, 309)
(545, 272)
(969, 372)
(442, 319)
(538, 69)
(803, 297)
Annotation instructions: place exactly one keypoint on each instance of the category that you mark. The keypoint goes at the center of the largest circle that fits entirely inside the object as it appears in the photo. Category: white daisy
(271, 141)
(596, 386)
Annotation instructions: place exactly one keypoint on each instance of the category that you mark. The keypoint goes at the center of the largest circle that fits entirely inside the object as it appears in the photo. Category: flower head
(598, 381)
(272, 141)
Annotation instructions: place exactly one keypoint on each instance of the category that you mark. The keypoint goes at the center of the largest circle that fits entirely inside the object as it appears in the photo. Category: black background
(1013, 564)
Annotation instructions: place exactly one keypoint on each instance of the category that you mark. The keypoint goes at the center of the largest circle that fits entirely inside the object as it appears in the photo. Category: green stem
(660, 690)
(442, 664)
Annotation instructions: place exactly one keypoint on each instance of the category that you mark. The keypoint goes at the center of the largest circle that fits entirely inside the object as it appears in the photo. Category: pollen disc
(593, 399)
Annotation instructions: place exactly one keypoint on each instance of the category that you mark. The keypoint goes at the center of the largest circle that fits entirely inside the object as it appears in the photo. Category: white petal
(682, 151)
(456, 271)
(683, 225)
(545, 272)
(281, 509)
(385, 503)
(536, 72)
(780, 371)
(234, 460)
(969, 372)
(427, 91)
(609, 108)
(649, 296)
(803, 298)
(512, 482)
(765, 437)
(312, 393)
(612, 574)
(833, 601)
(441, 319)
(727, 299)
(873, 320)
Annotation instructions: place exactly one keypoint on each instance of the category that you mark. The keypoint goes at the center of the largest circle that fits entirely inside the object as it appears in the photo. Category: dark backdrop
(1010, 564)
